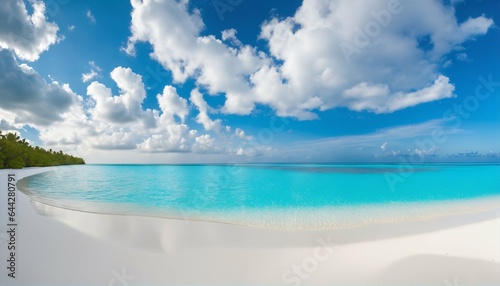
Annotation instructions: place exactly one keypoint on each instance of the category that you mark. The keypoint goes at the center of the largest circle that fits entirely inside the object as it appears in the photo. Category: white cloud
(114, 140)
(123, 108)
(389, 62)
(463, 57)
(218, 67)
(252, 151)
(93, 73)
(398, 50)
(379, 99)
(90, 17)
(240, 151)
(89, 76)
(441, 88)
(239, 133)
(25, 97)
(119, 122)
(384, 146)
(27, 35)
(105, 121)
(204, 144)
(172, 139)
(303, 71)
(210, 125)
(170, 102)
(230, 35)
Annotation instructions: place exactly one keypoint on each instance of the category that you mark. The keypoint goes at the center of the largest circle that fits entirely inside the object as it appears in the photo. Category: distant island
(17, 153)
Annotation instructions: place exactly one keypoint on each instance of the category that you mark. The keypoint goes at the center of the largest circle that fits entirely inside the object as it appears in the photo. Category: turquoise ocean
(295, 196)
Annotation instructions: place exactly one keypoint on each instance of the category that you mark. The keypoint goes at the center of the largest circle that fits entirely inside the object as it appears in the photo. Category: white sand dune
(59, 246)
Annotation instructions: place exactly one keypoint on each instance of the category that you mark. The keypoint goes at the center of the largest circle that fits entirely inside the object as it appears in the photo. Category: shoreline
(330, 218)
(59, 246)
(29, 171)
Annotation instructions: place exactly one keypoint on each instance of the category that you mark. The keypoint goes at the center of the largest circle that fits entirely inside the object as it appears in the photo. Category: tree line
(16, 153)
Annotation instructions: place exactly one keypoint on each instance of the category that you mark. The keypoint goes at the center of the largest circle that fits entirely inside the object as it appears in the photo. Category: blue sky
(226, 81)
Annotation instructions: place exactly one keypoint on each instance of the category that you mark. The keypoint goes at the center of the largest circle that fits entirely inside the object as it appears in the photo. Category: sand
(59, 246)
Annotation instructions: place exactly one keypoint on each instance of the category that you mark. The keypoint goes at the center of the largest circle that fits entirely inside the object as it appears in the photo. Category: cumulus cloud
(356, 54)
(380, 56)
(119, 122)
(239, 133)
(93, 73)
(27, 35)
(25, 97)
(81, 131)
(172, 139)
(169, 135)
(202, 118)
(204, 144)
(124, 114)
(115, 140)
(389, 67)
(218, 66)
(89, 76)
(123, 108)
(378, 98)
(171, 103)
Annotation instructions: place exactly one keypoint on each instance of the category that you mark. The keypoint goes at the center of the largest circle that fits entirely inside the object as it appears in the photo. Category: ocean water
(297, 196)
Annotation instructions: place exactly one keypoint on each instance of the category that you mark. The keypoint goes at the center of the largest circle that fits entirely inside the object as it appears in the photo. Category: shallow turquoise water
(202, 190)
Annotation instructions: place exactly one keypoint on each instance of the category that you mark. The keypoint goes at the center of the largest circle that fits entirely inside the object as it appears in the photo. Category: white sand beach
(65, 247)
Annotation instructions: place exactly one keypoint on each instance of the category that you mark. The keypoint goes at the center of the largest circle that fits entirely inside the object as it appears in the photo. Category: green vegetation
(16, 154)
